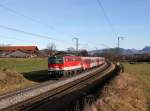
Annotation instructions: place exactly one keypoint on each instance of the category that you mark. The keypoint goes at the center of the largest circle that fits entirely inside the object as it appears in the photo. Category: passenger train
(69, 64)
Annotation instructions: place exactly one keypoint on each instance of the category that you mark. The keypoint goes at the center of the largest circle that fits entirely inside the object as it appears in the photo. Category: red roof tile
(14, 48)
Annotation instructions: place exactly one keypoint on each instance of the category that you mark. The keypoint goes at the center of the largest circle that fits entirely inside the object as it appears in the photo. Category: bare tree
(51, 48)
(83, 53)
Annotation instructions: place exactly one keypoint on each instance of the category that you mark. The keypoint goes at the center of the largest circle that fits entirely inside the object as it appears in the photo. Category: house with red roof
(19, 51)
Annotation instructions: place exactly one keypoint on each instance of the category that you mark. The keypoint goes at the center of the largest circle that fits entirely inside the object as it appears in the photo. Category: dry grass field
(127, 92)
(11, 80)
(142, 72)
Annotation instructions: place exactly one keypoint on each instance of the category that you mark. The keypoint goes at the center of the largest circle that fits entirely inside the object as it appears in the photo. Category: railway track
(54, 95)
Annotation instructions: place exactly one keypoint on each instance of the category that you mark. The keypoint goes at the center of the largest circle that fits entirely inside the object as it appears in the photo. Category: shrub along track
(54, 97)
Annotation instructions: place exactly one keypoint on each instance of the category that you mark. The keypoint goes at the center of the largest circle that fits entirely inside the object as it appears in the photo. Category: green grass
(142, 72)
(32, 70)
(23, 65)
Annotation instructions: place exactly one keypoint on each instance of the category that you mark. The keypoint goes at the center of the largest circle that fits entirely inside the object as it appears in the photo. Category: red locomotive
(65, 65)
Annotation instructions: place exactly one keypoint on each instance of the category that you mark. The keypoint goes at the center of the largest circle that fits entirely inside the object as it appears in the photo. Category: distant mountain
(129, 51)
(95, 51)
(146, 49)
(126, 51)
(123, 51)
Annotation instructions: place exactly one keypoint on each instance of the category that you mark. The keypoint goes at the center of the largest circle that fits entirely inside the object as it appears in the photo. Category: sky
(58, 21)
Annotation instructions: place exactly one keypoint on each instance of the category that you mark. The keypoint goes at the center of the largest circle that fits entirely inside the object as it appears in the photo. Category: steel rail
(82, 84)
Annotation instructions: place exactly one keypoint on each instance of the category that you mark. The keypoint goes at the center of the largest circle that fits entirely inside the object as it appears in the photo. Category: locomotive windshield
(55, 60)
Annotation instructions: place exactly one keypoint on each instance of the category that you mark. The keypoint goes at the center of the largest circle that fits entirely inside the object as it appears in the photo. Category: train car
(100, 60)
(64, 65)
(86, 63)
(90, 62)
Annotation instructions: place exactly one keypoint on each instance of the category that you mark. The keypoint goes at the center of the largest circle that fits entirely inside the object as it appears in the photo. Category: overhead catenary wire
(114, 32)
(107, 18)
(32, 34)
(25, 16)
(33, 20)
(30, 18)
(14, 38)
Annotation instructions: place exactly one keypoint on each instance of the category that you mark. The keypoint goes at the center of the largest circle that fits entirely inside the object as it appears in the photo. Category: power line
(107, 18)
(25, 16)
(32, 34)
(33, 20)
(24, 32)
(14, 38)
(30, 18)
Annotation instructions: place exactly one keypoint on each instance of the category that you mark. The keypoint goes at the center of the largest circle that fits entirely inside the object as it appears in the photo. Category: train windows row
(79, 59)
(72, 59)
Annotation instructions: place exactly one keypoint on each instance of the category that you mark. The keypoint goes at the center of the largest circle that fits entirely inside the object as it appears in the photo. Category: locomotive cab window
(55, 60)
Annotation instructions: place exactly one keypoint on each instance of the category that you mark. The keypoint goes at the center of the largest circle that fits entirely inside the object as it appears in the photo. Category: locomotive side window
(66, 59)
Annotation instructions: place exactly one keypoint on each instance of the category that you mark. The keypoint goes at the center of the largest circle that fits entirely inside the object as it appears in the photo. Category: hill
(125, 51)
